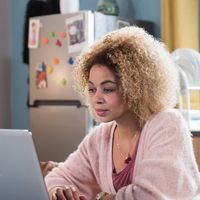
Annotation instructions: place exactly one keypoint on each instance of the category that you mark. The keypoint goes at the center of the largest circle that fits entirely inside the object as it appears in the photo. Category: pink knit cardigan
(165, 166)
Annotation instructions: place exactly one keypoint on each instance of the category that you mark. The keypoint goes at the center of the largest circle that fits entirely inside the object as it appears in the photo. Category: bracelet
(101, 195)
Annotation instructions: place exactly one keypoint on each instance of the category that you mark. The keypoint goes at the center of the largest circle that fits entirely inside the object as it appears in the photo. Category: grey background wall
(19, 71)
(5, 57)
(16, 78)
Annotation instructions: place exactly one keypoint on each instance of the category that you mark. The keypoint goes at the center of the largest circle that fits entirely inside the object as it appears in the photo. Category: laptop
(20, 174)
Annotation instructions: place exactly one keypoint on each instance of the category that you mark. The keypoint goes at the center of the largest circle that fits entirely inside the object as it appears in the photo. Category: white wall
(5, 63)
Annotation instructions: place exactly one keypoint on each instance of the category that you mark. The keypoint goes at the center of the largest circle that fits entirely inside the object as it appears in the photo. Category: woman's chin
(103, 119)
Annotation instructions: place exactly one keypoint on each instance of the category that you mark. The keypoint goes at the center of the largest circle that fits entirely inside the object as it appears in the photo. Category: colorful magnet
(45, 40)
(62, 34)
(71, 61)
(50, 69)
(63, 82)
(41, 77)
(40, 67)
(55, 61)
(58, 43)
(52, 34)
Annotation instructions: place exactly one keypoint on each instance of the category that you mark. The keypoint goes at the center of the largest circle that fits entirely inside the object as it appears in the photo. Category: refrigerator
(58, 118)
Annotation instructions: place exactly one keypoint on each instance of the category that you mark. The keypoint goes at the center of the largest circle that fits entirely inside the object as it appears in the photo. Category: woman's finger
(82, 197)
(54, 197)
(75, 193)
(60, 194)
(52, 194)
(68, 193)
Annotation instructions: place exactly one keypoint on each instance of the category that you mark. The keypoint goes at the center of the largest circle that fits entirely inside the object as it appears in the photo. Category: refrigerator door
(52, 60)
(58, 130)
(57, 116)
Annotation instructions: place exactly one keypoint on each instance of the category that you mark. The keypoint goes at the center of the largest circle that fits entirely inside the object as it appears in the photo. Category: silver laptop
(20, 174)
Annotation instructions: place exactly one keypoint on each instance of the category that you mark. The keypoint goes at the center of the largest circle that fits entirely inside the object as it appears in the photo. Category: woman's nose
(98, 97)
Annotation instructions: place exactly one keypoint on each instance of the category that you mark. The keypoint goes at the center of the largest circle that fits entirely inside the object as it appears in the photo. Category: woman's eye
(91, 90)
(108, 90)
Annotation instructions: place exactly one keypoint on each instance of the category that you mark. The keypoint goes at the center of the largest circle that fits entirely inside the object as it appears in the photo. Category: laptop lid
(20, 173)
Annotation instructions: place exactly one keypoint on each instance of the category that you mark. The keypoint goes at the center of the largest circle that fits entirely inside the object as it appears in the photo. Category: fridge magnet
(75, 28)
(58, 43)
(52, 34)
(45, 40)
(63, 82)
(49, 69)
(33, 37)
(62, 34)
(71, 61)
(55, 61)
(41, 76)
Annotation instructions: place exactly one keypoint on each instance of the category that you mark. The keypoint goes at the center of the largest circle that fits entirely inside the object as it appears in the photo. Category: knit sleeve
(79, 169)
(166, 167)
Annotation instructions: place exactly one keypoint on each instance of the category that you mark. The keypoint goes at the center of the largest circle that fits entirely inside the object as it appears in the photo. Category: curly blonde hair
(147, 75)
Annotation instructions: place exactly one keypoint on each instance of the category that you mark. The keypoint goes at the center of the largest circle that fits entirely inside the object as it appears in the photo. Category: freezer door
(58, 130)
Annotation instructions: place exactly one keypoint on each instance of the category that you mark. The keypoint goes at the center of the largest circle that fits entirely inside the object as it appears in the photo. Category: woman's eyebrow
(104, 82)
(108, 81)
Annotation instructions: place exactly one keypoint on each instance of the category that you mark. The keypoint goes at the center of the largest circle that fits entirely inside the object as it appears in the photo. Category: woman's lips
(101, 112)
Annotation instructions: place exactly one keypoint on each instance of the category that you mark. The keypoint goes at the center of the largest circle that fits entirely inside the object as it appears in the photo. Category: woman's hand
(105, 196)
(65, 193)
(47, 166)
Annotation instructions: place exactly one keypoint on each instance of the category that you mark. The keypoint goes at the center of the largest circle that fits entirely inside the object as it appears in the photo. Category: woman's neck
(127, 127)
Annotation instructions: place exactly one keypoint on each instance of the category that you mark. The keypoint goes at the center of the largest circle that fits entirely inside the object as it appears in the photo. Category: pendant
(127, 160)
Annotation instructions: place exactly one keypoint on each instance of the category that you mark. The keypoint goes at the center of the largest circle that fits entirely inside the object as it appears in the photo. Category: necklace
(127, 158)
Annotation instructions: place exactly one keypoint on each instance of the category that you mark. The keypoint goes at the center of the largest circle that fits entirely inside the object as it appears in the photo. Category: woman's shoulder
(167, 115)
(166, 129)
(168, 121)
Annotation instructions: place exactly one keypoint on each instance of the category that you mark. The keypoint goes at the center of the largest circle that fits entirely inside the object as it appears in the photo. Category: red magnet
(62, 34)
(58, 43)
(45, 40)
(55, 61)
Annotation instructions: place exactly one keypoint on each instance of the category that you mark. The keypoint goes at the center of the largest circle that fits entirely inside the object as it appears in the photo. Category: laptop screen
(20, 173)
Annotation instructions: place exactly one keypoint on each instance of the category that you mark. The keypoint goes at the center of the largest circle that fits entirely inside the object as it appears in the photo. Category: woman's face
(104, 95)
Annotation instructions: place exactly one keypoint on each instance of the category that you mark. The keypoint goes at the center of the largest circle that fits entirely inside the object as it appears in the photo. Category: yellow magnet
(49, 69)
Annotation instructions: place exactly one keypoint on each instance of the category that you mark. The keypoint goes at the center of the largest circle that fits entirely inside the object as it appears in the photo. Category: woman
(142, 149)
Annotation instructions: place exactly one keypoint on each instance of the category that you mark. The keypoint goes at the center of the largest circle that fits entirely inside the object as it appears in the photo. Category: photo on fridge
(33, 38)
(75, 28)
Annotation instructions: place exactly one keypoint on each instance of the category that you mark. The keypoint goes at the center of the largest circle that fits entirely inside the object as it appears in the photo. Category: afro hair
(145, 71)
